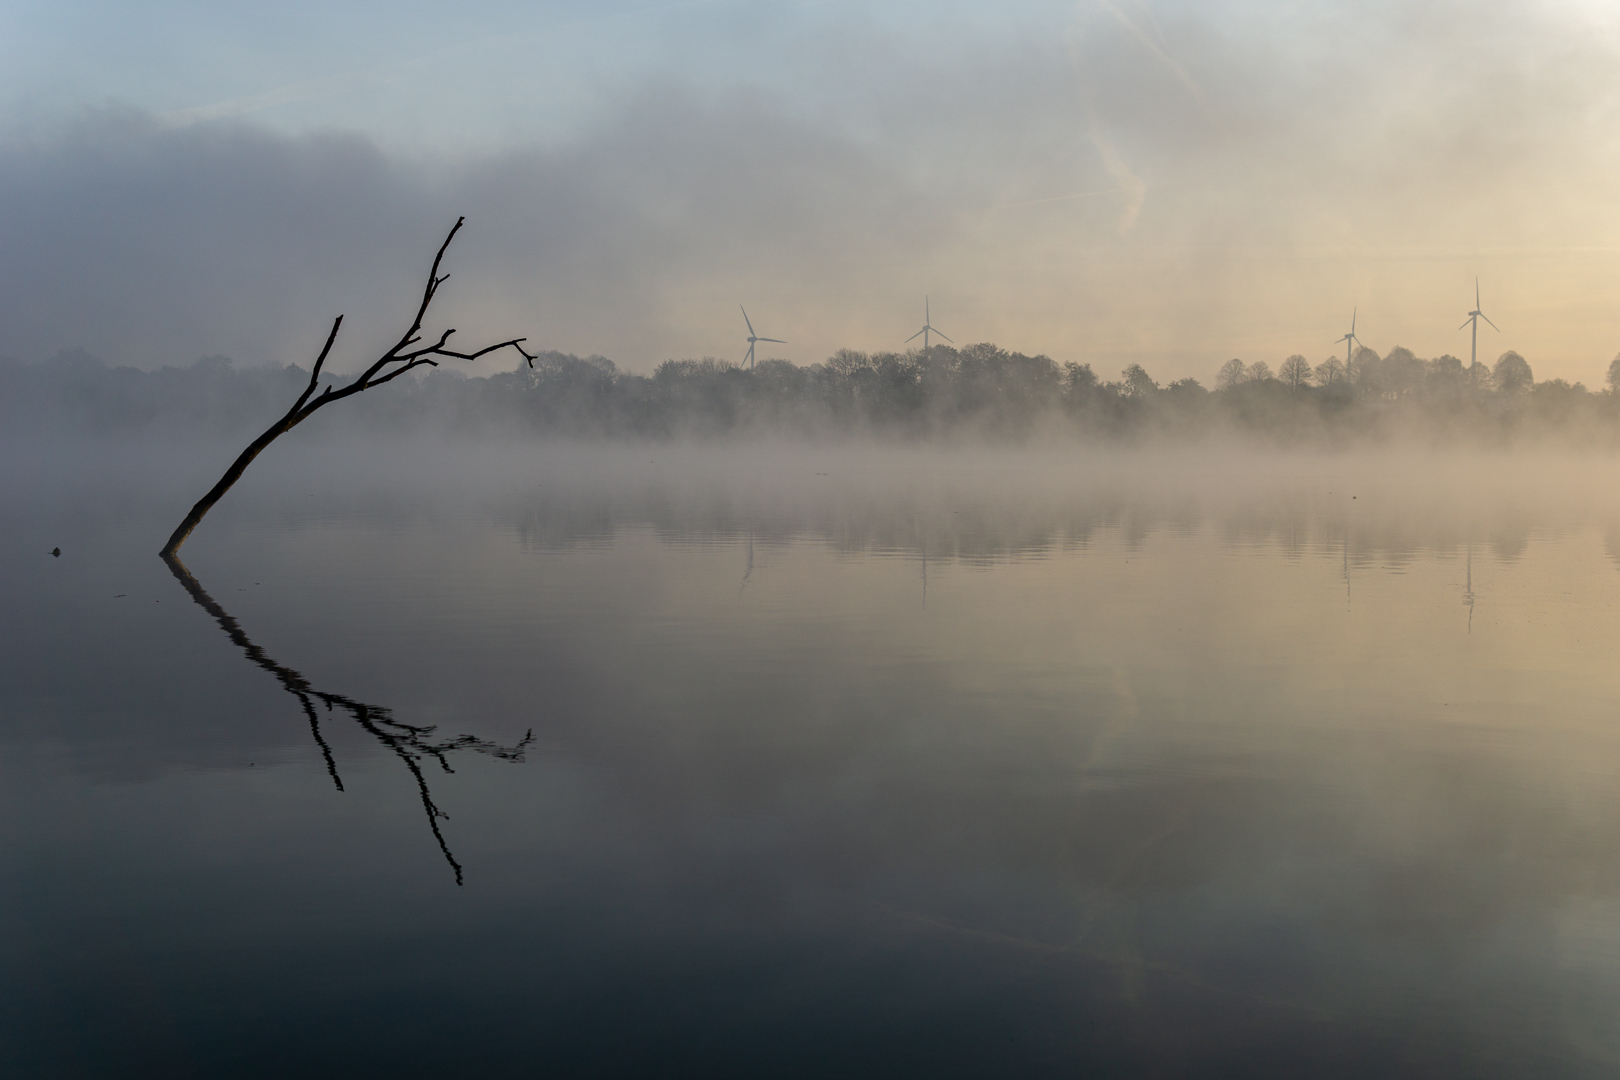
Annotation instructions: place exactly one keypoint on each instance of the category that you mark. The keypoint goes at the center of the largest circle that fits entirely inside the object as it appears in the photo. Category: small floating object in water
(120, 596)
(56, 553)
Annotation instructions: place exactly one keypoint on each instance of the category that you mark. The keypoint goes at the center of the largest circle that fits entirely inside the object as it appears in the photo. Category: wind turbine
(1474, 317)
(1468, 589)
(1350, 342)
(752, 337)
(926, 330)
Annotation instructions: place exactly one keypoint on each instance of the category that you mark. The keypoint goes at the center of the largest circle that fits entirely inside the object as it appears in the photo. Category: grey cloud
(153, 244)
(1270, 168)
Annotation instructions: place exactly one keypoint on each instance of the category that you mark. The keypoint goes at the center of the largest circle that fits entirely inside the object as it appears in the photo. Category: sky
(1111, 182)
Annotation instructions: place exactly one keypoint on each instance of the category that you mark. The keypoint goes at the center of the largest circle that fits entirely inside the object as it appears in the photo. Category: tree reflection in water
(412, 743)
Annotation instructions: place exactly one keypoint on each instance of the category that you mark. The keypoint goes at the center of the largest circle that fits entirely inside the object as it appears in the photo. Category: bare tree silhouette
(1233, 373)
(391, 365)
(412, 743)
(1295, 372)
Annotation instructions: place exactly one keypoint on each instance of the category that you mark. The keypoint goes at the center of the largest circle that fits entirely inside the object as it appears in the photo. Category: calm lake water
(518, 761)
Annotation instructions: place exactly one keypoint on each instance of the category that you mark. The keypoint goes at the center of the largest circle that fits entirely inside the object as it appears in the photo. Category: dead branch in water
(391, 365)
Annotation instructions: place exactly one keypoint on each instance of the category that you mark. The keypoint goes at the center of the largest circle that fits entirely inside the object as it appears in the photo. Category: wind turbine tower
(926, 330)
(752, 337)
(1474, 317)
(1350, 342)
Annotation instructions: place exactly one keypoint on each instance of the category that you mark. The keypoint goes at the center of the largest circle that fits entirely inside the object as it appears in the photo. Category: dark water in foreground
(807, 763)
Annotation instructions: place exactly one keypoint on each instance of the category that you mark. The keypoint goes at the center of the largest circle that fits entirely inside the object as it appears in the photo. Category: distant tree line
(941, 392)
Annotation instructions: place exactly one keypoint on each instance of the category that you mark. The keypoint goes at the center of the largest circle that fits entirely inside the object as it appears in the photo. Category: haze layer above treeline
(979, 391)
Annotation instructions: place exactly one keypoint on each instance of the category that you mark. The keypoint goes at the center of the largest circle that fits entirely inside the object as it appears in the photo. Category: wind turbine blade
(913, 337)
(778, 340)
(1476, 292)
(1466, 322)
(1353, 319)
(1487, 318)
(942, 335)
(745, 318)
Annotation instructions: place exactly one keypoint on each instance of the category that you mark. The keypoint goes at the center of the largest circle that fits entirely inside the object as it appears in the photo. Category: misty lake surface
(802, 761)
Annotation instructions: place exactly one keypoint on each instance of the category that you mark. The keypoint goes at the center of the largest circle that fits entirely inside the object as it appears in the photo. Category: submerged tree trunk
(394, 363)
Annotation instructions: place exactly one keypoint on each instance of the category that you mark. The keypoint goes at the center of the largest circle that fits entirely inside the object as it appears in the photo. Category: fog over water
(842, 756)
(946, 540)
(944, 396)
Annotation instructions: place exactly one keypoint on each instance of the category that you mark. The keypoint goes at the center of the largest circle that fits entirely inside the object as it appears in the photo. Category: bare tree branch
(395, 362)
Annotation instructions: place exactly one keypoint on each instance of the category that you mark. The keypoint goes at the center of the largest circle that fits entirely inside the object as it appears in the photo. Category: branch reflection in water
(410, 742)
